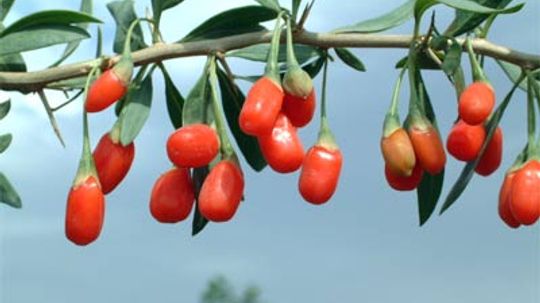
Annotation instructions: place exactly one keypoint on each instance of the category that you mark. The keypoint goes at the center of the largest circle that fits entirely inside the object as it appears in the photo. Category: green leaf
(314, 67)
(158, 6)
(350, 59)
(123, 12)
(452, 60)
(233, 99)
(13, 62)
(429, 192)
(4, 108)
(199, 221)
(387, 21)
(239, 20)
(175, 101)
(466, 21)
(468, 171)
(197, 103)
(271, 4)
(259, 53)
(8, 194)
(5, 141)
(40, 37)
(513, 72)
(5, 6)
(295, 5)
(466, 5)
(423, 61)
(135, 113)
(87, 8)
(49, 18)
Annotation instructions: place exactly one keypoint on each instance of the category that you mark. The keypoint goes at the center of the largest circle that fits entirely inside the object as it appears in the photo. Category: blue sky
(364, 245)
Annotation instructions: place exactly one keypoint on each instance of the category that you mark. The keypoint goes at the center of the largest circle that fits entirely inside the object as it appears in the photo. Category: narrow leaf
(123, 12)
(452, 60)
(199, 221)
(4, 108)
(259, 53)
(135, 113)
(175, 101)
(8, 194)
(197, 102)
(392, 19)
(466, 5)
(13, 62)
(235, 21)
(40, 37)
(423, 61)
(5, 141)
(468, 171)
(158, 6)
(295, 7)
(513, 72)
(350, 59)
(466, 21)
(233, 99)
(49, 18)
(5, 6)
(429, 192)
(271, 4)
(314, 67)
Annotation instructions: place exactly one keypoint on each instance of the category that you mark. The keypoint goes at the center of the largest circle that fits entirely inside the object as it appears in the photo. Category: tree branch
(34, 81)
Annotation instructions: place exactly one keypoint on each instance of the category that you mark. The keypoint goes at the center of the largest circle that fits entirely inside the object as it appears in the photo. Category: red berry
(106, 90)
(320, 174)
(85, 212)
(113, 161)
(172, 196)
(465, 141)
(428, 148)
(282, 148)
(504, 202)
(261, 107)
(403, 183)
(398, 153)
(299, 110)
(525, 193)
(221, 192)
(476, 102)
(193, 145)
(492, 157)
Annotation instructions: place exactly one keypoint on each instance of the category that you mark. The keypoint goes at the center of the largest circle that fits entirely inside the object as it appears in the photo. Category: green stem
(271, 69)
(459, 81)
(127, 42)
(531, 118)
(325, 136)
(225, 146)
(395, 95)
(291, 57)
(478, 74)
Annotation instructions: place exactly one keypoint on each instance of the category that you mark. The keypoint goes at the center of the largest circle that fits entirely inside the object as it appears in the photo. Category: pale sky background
(363, 246)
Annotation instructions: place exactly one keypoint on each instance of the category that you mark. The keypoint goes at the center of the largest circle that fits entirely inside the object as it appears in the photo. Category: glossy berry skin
(525, 193)
(85, 212)
(492, 157)
(172, 196)
(106, 90)
(428, 149)
(282, 148)
(320, 174)
(261, 108)
(403, 183)
(465, 141)
(476, 102)
(299, 110)
(221, 192)
(505, 213)
(193, 145)
(113, 161)
(398, 153)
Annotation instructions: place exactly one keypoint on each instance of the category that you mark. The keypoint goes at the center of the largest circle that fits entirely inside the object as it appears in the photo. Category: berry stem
(478, 74)
(272, 70)
(325, 137)
(291, 57)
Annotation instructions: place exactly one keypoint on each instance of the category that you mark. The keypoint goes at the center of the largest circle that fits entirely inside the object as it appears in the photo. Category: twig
(50, 114)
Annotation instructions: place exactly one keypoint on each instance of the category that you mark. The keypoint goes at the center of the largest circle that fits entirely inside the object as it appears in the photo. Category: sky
(363, 245)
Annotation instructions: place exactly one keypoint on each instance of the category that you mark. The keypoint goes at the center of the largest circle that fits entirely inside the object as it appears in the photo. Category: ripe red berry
(282, 148)
(172, 196)
(85, 212)
(525, 193)
(193, 145)
(398, 153)
(320, 174)
(404, 183)
(492, 157)
(113, 161)
(299, 110)
(465, 141)
(106, 90)
(476, 102)
(428, 148)
(261, 108)
(221, 192)
(504, 201)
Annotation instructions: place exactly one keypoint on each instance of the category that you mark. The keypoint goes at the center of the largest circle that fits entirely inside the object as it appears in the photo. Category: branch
(34, 81)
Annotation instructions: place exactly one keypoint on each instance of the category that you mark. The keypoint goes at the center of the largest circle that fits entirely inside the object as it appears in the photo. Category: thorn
(50, 114)
(305, 15)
